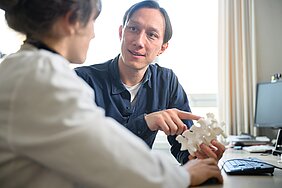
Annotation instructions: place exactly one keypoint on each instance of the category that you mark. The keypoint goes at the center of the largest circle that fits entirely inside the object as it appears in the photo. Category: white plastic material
(206, 130)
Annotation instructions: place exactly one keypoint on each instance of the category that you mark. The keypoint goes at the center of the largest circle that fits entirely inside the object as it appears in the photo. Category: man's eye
(153, 35)
(132, 28)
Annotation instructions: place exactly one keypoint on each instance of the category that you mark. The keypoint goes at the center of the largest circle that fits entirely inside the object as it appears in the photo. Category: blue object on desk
(246, 166)
(237, 147)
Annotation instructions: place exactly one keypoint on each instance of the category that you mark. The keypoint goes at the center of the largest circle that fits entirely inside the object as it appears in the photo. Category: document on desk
(246, 140)
(259, 149)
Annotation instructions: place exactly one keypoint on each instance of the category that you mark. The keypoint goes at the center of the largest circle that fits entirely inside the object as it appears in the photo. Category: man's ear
(163, 48)
(120, 32)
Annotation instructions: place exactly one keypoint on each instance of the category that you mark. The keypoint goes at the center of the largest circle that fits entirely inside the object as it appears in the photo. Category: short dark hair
(154, 5)
(36, 17)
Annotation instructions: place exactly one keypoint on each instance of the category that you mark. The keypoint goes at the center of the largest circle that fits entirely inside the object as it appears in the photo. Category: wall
(268, 15)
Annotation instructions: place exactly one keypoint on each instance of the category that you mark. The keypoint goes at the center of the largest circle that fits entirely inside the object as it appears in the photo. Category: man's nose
(140, 39)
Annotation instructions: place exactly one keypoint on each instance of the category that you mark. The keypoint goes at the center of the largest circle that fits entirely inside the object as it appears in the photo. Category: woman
(51, 133)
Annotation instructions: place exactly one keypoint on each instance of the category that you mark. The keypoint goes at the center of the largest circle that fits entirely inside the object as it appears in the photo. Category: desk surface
(256, 181)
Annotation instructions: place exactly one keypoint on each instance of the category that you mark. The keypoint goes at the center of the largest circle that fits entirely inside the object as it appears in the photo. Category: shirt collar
(40, 45)
(117, 86)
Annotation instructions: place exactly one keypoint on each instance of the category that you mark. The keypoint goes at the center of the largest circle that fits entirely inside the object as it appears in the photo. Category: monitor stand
(278, 146)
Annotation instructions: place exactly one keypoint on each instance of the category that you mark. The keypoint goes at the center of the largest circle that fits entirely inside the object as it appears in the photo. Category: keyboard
(246, 166)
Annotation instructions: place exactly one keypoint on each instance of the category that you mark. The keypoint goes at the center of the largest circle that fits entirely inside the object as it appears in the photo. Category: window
(10, 40)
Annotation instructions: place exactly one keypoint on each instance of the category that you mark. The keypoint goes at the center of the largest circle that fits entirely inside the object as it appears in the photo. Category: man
(142, 96)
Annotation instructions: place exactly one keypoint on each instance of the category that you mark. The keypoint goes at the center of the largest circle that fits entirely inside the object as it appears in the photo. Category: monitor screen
(268, 111)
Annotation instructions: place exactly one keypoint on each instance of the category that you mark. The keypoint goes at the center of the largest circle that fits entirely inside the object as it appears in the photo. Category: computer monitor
(268, 110)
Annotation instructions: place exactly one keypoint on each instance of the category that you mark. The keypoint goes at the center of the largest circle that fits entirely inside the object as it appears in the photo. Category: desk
(256, 181)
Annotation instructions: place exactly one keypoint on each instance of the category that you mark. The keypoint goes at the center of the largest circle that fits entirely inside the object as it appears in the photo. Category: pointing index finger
(187, 115)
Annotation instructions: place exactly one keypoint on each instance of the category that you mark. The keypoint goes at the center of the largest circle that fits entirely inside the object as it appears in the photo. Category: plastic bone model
(206, 131)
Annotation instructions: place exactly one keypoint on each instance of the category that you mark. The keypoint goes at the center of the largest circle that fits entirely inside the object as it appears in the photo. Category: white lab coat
(53, 135)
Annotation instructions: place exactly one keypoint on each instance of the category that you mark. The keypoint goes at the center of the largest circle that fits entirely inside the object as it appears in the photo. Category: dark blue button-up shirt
(159, 90)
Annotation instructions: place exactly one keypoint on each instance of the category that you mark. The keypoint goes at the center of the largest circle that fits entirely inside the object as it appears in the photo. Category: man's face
(142, 38)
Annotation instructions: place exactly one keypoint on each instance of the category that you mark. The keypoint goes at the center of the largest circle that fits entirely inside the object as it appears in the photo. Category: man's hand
(215, 151)
(169, 121)
(201, 170)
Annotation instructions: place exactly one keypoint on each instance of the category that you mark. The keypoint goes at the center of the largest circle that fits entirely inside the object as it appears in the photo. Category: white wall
(268, 15)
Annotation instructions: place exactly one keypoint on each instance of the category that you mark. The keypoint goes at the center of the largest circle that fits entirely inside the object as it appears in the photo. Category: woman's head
(66, 26)
(36, 17)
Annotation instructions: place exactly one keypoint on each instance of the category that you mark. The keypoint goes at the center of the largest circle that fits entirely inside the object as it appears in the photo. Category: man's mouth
(136, 53)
